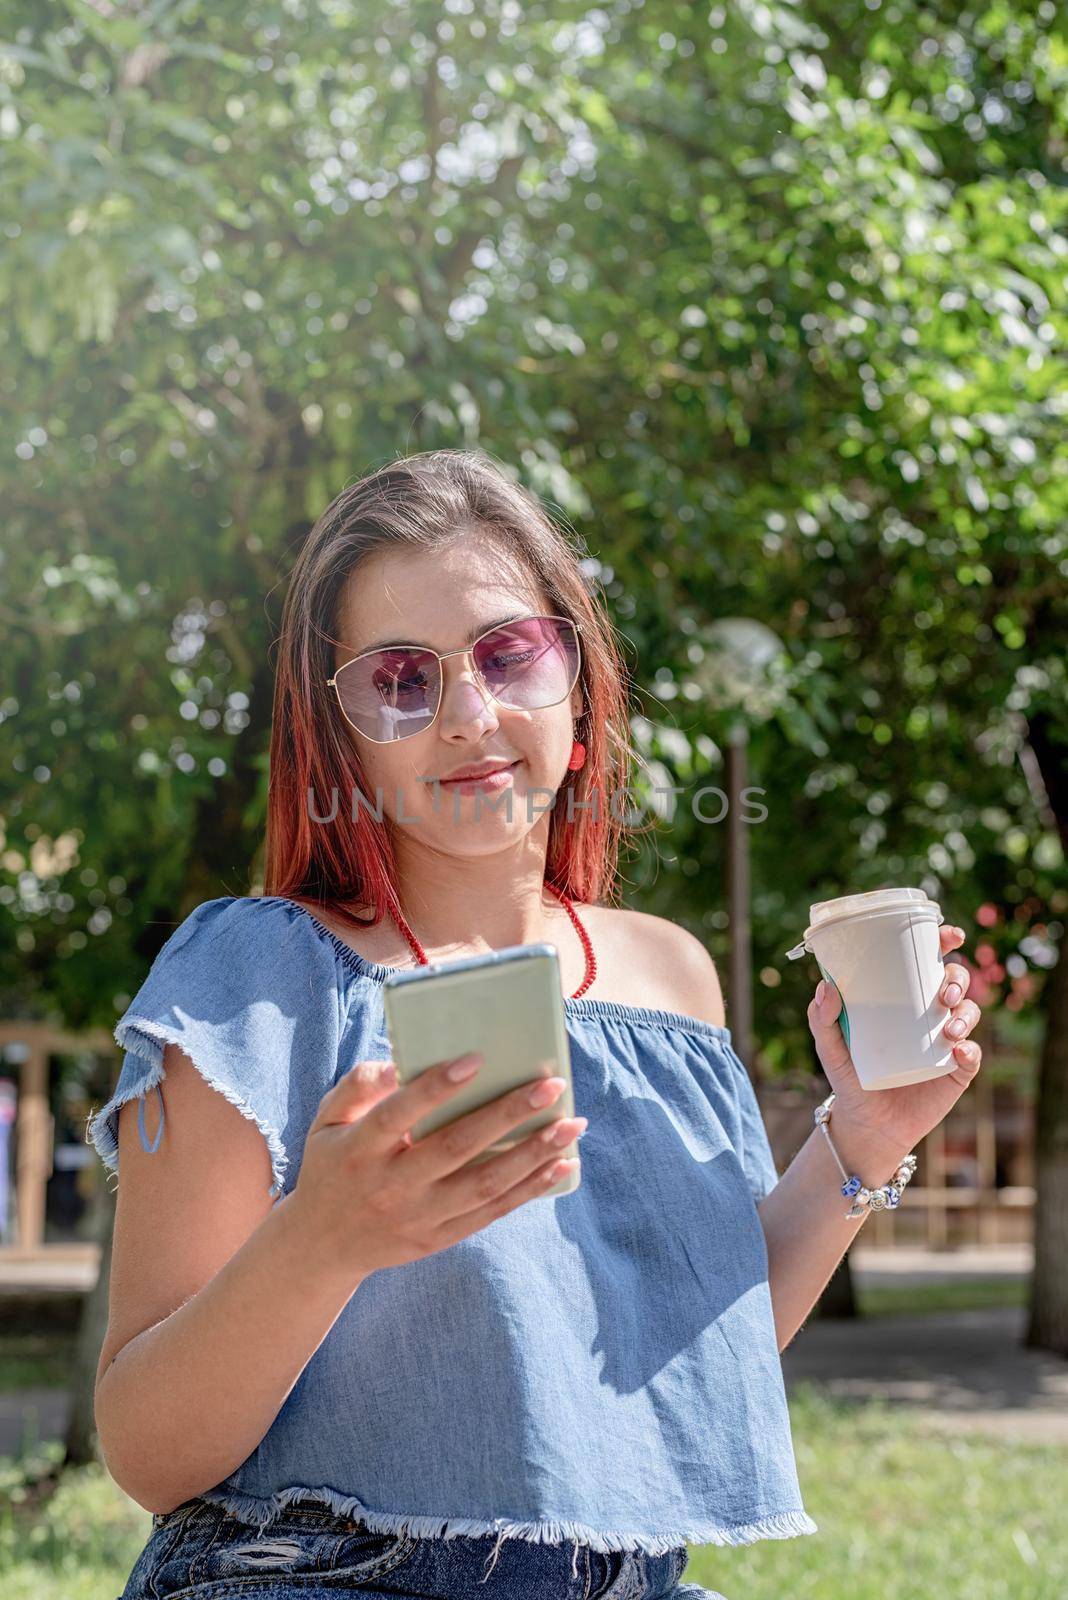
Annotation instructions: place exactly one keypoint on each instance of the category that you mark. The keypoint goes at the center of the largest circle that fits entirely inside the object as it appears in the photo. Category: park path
(965, 1371)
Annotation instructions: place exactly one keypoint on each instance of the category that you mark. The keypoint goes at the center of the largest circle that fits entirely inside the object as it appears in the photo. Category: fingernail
(952, 994)
(955, 1028)
(465, 1067)
(821, 992)
(544, 1093)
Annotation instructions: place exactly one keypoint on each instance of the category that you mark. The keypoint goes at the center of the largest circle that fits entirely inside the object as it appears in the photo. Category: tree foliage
(766, 301)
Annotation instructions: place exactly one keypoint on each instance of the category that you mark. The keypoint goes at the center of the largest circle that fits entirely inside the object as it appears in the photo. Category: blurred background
(767, 303)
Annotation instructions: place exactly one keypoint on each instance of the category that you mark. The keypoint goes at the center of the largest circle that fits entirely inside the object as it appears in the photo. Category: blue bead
(850, 1188)
(892, 1199)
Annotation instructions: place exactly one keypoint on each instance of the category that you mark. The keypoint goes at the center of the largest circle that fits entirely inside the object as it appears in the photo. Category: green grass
(76, 1540)
(901, 1511)
(970, 1294)
(36, 1360)
(905, 1511)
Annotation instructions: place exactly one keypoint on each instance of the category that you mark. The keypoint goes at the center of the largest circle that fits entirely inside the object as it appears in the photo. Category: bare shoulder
(656, 962)
(380, 942)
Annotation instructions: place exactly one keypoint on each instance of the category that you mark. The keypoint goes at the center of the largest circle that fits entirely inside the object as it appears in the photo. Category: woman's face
(444, 598)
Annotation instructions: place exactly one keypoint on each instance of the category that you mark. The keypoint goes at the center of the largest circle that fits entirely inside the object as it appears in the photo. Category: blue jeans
(201, 1552)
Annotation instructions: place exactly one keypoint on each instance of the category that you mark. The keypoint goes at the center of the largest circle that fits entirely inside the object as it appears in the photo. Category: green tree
(767, 303)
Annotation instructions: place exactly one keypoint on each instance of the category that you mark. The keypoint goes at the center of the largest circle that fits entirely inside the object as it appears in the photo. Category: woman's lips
(491, 781)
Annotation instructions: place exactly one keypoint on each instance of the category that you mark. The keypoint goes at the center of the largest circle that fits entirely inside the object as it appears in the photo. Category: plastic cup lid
(854, 905)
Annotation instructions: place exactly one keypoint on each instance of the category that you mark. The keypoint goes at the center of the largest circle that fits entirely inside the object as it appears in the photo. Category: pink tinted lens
(531, 663)
(391, 694)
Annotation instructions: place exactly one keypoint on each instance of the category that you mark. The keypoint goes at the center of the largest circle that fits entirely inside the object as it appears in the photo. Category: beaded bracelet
(883, 1199)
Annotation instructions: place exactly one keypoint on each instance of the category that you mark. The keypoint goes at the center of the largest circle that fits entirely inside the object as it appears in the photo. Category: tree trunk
(81, 1425)
(838, 1298)
(1048, 1325)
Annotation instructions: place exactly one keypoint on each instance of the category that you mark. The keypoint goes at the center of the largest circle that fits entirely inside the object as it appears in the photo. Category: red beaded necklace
(591, 960)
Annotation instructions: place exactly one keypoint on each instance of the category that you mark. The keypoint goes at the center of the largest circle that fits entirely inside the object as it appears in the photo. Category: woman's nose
(464, 700)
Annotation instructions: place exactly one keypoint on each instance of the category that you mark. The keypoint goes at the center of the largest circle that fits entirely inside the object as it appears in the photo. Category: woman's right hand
(371, 1197)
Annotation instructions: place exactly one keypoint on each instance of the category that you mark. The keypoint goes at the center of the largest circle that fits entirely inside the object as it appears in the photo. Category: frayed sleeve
(252, 999)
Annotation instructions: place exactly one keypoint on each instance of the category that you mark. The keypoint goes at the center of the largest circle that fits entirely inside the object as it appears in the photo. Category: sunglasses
(395, 692)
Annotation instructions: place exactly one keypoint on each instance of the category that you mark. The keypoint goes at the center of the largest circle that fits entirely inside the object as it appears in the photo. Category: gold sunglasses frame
(332, 683)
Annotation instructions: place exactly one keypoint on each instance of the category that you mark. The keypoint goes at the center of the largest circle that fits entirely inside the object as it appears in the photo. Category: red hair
(418, 502)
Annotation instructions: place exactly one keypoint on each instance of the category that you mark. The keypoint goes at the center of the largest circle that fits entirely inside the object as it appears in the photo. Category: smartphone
(507, 1004)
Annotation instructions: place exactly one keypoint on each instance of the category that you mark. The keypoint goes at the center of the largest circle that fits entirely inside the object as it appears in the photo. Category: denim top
(600, 1366)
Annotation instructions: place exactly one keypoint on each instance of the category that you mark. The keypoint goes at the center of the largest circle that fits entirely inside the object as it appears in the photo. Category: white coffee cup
(883, 953)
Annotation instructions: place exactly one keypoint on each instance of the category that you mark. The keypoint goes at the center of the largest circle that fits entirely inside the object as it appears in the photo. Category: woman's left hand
(895, 1120)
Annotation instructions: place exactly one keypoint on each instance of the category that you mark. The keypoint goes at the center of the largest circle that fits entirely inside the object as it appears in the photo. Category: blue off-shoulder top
(600, 1366)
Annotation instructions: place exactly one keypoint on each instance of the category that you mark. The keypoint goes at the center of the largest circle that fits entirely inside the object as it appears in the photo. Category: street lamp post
(737, 674)
(739, 896)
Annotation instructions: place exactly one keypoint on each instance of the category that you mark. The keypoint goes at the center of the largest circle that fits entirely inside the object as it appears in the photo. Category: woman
(340, 1359)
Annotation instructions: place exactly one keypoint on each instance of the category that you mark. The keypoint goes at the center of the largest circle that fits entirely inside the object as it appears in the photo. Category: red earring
(578, 757)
